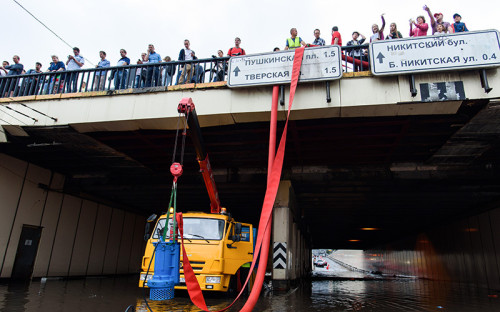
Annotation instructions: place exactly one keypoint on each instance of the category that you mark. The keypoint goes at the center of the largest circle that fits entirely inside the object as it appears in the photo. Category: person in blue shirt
(100, 76)
(56, 65)
(153, 71)
(16, 68)
(54, 83)
(8, 86)
(32, 82)
(122, 74)
(458, 26)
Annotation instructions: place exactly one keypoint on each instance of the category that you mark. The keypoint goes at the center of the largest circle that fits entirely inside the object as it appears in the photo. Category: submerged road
(335, 270)
(115, 294)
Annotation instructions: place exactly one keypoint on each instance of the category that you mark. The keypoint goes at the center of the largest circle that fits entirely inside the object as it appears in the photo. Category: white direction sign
(434, 53)
(318, 63)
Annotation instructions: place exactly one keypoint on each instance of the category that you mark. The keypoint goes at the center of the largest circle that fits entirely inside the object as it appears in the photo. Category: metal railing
(355, 58)
(115, 78)
(348, 266)
(141, 76)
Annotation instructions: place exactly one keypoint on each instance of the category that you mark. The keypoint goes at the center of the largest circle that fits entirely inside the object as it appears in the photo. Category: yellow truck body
(218, 255)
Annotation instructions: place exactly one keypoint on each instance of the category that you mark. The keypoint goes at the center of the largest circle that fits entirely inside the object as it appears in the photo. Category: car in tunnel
(320, 263)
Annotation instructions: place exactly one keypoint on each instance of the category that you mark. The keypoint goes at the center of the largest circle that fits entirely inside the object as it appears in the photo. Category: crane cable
(64, 41)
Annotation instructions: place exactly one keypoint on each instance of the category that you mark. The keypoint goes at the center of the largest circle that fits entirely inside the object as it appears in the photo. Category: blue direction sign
(319, 63)
(467, 50)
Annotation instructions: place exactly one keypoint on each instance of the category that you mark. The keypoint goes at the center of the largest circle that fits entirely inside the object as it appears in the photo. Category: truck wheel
(232, 290)
(237, 281)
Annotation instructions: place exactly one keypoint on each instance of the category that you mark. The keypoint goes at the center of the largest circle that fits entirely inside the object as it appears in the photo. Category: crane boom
(186, 107)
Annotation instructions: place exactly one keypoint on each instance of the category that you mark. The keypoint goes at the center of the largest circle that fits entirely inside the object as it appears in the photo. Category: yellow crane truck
(219, 248)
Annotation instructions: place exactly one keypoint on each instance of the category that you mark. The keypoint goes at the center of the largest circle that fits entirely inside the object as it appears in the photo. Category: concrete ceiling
(396, 174)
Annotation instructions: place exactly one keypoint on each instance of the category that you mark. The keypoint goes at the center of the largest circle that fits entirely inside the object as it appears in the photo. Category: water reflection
(116, 294)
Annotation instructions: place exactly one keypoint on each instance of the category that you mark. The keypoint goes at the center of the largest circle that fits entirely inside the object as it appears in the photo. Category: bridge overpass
(375, 168)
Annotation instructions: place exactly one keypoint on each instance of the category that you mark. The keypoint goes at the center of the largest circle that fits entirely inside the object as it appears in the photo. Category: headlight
(212, 280)
(143, 276)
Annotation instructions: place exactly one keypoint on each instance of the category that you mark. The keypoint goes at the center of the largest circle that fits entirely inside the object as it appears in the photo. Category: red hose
(355, 61)
(272, 131)
(264, 252)
(272, 189)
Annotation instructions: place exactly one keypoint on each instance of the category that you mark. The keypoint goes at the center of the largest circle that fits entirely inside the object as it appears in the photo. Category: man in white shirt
(3, 71)
(186, 54)
(74, 63)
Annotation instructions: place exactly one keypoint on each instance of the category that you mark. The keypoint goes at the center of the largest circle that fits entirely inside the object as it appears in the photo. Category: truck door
(239, 253)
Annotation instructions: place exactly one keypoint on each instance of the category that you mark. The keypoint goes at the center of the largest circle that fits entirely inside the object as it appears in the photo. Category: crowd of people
(64, 76)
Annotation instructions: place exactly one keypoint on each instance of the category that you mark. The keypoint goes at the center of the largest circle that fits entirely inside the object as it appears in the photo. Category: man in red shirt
(236, 50)
(336, 37)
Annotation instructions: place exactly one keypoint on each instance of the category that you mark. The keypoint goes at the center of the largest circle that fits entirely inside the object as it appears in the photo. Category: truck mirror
(235, 238)
(146, 231)
(151, 218)
(237, 228)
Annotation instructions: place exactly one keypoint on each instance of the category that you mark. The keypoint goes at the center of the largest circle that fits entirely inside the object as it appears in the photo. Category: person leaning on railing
(8, 85)
(167, 71)
(357, 53)
(220, 67)
(54, 83)
(197, 71)
(294, 41)
(32, 82)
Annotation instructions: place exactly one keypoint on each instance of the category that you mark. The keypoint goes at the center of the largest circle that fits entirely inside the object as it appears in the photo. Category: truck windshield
(195, 228)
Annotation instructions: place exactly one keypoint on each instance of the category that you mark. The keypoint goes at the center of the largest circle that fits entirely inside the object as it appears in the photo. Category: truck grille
(196, 265)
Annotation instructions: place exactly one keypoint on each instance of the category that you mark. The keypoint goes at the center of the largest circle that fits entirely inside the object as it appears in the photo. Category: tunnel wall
(79, 237)
(465, 251)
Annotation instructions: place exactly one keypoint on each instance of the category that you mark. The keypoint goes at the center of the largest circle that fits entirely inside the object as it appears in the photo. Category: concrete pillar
(289, 259)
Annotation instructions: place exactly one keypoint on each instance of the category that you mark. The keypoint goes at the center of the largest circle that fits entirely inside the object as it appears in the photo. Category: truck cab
(219, 250)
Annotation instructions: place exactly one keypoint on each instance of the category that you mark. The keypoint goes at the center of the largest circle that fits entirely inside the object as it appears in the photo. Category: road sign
(465, 50)
(319, 63)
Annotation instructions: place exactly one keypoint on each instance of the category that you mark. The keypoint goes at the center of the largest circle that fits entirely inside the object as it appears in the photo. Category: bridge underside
(399, 174)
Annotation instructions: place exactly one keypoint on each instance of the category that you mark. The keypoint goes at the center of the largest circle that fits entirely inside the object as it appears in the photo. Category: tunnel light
(369, 229)
(354, 240)
(471, 230)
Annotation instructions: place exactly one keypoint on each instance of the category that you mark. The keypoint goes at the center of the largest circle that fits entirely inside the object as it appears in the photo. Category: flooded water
(116, 294)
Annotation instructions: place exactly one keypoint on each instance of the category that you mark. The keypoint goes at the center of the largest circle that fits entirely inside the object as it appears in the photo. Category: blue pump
(166, 274)
(167, 255)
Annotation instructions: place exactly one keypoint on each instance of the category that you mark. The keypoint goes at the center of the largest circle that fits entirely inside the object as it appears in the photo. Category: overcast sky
(94, 25)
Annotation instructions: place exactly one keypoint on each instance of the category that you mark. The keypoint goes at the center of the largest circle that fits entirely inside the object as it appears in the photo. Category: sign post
(319, 63)
(467, 50)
